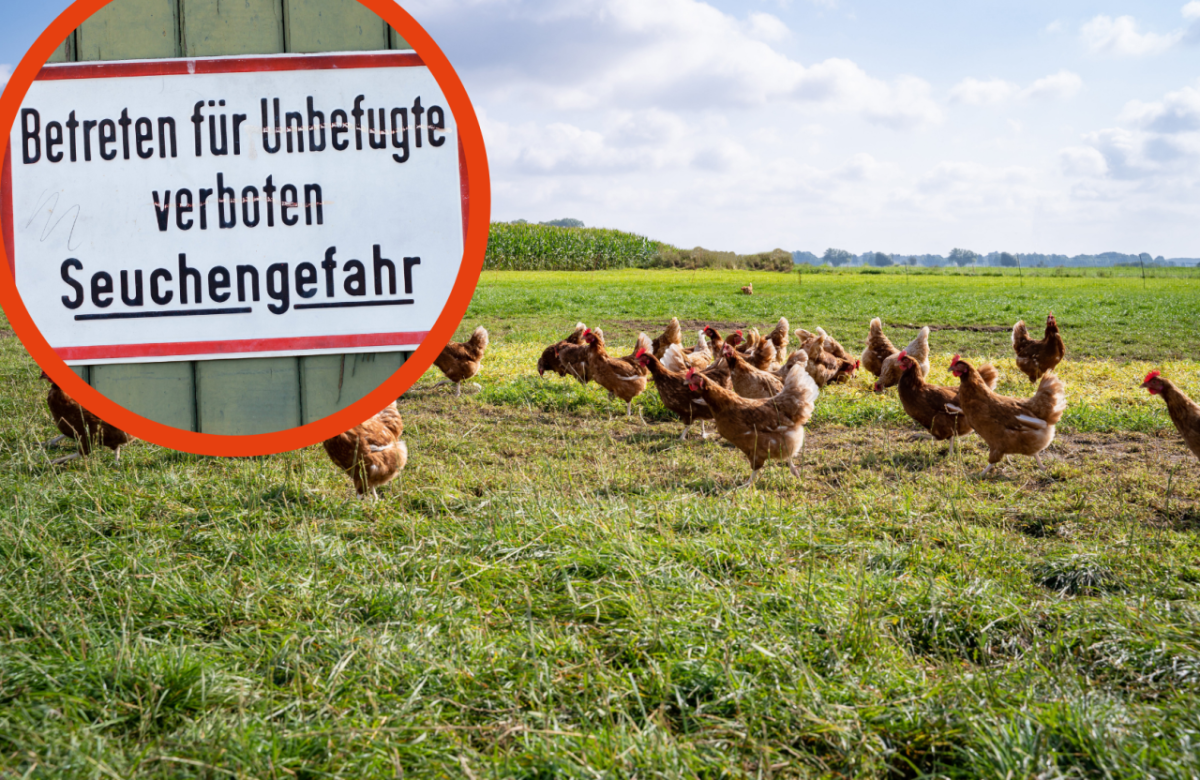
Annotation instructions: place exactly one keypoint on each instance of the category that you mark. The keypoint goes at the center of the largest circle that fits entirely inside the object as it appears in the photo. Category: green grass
(548, 593)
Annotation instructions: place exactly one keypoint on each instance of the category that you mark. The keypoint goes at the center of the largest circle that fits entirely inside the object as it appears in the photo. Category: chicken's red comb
(903, 354)
(641, 351)
(691, 372)
(739, 333)
(1150, 376)
(954, 360)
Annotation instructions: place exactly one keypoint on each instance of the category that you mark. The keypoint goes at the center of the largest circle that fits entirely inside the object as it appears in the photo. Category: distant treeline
(568, 245)
(967, 257)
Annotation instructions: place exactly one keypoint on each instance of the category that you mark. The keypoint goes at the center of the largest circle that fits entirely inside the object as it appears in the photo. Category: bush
(775, 260)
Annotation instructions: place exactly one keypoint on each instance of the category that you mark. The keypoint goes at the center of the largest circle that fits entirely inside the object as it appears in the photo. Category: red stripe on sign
(199, 67)
(116, 351)
(6, 208)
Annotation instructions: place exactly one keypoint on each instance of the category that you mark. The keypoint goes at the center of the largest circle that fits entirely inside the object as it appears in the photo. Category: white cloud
(952, 176)
(1191, 11)
(976, 92)
(1177, 112)
(1158, 147)
(1054, 27)
(766, 27)
(1082, 161)
(1120, 36)
(675, 54)
(5, 74)
(1063, 84)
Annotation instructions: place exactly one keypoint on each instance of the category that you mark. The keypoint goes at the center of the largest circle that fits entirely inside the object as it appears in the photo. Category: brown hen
(926, 403)
(371, 454)
(1035, 358)
(761, 428)
(460, 362)
(75, 422)
(1010, 426)
(1184, 412)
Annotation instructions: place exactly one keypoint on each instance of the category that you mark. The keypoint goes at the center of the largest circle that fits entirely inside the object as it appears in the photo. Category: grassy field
(550, 593)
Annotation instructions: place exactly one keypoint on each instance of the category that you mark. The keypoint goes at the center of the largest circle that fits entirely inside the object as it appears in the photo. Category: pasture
(546, 592)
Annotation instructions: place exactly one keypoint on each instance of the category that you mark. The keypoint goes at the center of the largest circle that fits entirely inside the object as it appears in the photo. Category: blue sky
(903, 127)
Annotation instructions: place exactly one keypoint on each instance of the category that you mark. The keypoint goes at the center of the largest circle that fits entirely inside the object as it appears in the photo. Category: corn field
(518, 247)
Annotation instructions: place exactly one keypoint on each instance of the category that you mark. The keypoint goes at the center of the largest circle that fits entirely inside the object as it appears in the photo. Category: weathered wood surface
(214, 29)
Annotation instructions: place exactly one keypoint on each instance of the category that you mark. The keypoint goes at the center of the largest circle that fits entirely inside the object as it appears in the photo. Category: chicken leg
(67, 459)
(53, 441)
(753, 479)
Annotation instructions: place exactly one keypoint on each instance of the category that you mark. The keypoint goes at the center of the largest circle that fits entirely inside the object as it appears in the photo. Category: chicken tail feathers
(1020, 334)
(918, 348)
(1050, 400)
(673, 359)
(479, 340)
(673, 334)
(800, 390)
(779, 336)
(990, 376)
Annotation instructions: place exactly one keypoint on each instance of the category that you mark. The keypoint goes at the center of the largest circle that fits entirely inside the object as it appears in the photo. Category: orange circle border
(475, 245)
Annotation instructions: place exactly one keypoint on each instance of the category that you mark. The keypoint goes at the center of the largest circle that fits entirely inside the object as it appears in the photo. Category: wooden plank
(333, 382)
(82, 372)
(249, 396)
(333, 25)
(130, 30)
(397, 40)
(163, 392)
(211, 28)
(65, 52)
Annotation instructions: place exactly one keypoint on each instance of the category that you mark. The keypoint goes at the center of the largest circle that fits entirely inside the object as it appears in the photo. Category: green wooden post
(209, 29)
(65, 52)
(130, 30)
(333, 25)
(333, 382)
(163, 392)
(256, 395)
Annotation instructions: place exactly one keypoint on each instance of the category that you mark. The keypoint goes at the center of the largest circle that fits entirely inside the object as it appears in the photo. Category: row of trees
(958, 256)
(965, 257)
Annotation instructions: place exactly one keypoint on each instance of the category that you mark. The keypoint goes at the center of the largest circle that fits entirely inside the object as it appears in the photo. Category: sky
(1067, 127)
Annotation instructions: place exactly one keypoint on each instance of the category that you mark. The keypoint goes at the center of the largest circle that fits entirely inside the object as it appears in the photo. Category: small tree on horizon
(881, 259)
(961, 257)
(836, 257)
(1008, 260)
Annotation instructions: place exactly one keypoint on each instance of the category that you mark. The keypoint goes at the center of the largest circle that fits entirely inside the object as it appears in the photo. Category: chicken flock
(758, 395)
